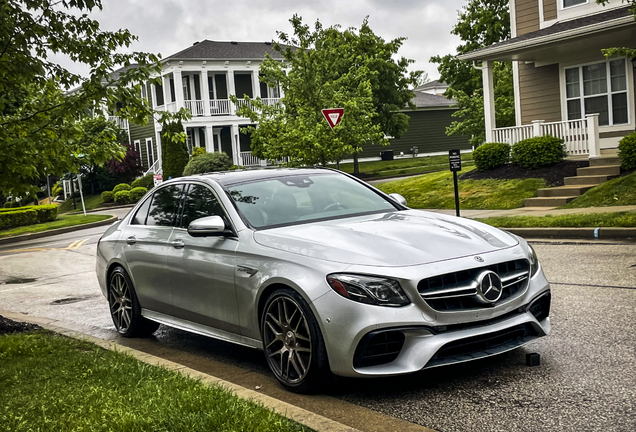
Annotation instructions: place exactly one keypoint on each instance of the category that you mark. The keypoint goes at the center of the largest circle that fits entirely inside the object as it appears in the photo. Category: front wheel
(293, 344)
(124, 307)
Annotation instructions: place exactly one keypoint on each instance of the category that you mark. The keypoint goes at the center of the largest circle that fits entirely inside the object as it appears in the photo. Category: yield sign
(333, 116)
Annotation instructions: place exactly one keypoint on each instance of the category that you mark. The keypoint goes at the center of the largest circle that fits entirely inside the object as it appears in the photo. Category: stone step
(605, 161)
(586, 180)
(547, 201)
(599, 170)
(564, 191)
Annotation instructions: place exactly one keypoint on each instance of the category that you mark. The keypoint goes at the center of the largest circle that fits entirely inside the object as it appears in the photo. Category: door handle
(178, 244)
(131, 240)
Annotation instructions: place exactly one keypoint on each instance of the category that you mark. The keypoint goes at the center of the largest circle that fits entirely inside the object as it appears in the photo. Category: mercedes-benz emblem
(489, 287)
(479, 259)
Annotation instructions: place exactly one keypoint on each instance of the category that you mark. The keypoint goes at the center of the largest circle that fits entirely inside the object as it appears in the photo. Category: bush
(491, 155)
(146, 181)
(8, 204)
(208, 162)
(108, 196)
(121, 187)
(122, 197)
(16, 218)
(57, 190)
(198, 151)
(627, 151)
(174, 152)
(137, 193)
(538, 152)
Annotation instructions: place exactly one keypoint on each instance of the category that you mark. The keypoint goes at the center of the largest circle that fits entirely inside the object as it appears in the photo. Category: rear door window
(165, 205)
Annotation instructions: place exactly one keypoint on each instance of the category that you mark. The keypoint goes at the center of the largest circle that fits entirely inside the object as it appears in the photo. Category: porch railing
(155, 168)
(581, 137)
(120, 122)
(195, 107)
(219, 106)
(270, 101)
(249, 160)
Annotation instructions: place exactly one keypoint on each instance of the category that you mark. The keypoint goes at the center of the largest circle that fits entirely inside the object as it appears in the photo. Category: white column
(231, 89)
(153, 95)
(489, 99)
(593, 136)
(256, 85)
(209, 139)
(178, 88)
(159, 165)
(165, 80)
(236, 145)
(205, 90)
(536, 127)
(197, 138)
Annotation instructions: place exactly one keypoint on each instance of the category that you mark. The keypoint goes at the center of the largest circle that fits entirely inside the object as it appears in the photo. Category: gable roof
(431, 85)
(583, 26)
(427, 100)
(213, 50)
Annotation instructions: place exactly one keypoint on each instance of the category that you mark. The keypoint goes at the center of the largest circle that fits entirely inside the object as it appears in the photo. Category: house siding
(527, 13)
(539, 93)
(549, 10)
(141, 133)
(427, 132)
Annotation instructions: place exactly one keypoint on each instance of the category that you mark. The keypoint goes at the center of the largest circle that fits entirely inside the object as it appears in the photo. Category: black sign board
(455, 160)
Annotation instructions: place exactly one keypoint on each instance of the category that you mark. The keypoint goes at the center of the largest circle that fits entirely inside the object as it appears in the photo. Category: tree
(39, 125)
(620, 51)
(328, 68)
(128, 168)
(481, 23)
(174, 153)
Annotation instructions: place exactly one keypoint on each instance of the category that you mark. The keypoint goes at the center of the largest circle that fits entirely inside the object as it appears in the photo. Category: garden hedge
(121, 187)
(17, 218)
(44, 213)
(489, 156)
(537, 152)
(122, 197)
(137, 193)
(627, 151)
(208, 162)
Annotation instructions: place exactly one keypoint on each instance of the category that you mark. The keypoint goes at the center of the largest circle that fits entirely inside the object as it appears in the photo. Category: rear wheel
(293, 344)
(124, 307)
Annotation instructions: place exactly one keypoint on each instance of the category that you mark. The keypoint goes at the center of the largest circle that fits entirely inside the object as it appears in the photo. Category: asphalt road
(586, 380)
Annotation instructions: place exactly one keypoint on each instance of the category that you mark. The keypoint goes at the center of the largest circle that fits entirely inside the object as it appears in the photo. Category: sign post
(333, 117)
(455, 162)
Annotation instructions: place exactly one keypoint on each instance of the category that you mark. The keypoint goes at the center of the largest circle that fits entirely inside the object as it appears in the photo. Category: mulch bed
(8, 326)
(553, 175)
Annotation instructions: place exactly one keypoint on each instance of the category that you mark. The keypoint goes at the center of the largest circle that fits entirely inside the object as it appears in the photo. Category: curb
(101, 209)
(300, 415)
(576, 233)
(23, 237)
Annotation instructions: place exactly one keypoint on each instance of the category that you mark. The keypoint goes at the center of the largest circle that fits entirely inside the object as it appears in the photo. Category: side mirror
(398, 198)
(207, 226)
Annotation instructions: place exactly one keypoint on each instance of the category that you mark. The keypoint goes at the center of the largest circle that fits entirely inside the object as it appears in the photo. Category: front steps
(601, 169)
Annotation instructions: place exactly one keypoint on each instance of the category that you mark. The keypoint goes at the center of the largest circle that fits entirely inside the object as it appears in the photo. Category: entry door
(206, 294)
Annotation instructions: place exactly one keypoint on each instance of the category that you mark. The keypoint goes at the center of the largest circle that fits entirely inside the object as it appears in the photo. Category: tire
(293, 344)
(124, 307)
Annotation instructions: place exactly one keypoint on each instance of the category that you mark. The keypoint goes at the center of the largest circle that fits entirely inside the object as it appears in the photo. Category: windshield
(297, 198)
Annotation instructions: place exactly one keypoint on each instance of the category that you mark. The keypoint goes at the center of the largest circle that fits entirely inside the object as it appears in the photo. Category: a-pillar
(236, 146)
(489, 99)
(209, 139)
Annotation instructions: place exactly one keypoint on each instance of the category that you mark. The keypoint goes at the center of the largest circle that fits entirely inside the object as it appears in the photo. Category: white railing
(242, 102)
(581, 137)
(219, 106)
(155, 168)
(270, 101)
(248, 160)
(120, 122)
(195, 107)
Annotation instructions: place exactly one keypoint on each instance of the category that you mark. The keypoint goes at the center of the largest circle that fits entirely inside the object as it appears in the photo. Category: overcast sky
(168, 26)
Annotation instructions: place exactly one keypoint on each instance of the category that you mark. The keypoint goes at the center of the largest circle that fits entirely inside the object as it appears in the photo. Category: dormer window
(569, 3)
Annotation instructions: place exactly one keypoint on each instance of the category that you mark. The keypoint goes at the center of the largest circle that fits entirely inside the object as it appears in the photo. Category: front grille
(458, 290)
(483, 345)
(378, 348)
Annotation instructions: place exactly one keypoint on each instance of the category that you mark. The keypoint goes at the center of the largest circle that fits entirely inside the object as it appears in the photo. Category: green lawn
(62, 221)
(91, 201)
(405, 166)
(53, 383)
(435, 191)
(621, 219)
(617, 192)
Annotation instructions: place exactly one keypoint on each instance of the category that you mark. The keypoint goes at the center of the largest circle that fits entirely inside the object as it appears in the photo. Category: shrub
(491, 155)
(538, 152)
(121, 187)
(198, 151)
(208, 162)
(146, 181)
(45, 213)
(137, 193)
(122, 197)
(174, 152)
(8, 204)
(108, 196)
(57, 190)
(16, 218)
(627, 151)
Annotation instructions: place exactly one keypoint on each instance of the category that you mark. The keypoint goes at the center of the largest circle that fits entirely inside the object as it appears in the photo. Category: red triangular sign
(333, 116)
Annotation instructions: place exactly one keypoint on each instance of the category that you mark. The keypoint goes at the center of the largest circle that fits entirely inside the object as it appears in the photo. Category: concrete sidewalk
(534, 211)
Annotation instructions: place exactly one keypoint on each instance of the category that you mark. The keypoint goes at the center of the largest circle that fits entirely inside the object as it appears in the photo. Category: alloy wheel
(287, 340)
(120, 302)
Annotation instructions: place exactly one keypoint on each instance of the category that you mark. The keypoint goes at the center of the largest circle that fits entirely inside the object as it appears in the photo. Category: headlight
(368, 289)
(534, 262)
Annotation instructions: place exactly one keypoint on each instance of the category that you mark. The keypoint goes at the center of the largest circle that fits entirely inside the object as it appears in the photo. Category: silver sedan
(322, 272)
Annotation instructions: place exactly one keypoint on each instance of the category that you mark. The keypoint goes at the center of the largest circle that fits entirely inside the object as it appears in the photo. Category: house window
(598, 88)
(159, 94)
(568, 3)
(137, 144)
(150, 153)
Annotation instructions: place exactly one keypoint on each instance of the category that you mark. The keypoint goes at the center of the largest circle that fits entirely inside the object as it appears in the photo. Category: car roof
(228, 178)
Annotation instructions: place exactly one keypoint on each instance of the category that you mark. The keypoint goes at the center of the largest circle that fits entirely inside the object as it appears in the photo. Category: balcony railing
(120, 122)
(195, 107)
(219, 106)
(248, 160)
(581, 137)
(270, 101)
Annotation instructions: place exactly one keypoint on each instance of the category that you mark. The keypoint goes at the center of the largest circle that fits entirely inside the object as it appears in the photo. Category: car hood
(401, 238)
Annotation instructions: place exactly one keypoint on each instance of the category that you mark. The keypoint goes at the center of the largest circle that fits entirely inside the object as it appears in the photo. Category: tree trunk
(356, 165)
